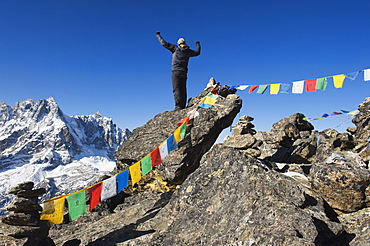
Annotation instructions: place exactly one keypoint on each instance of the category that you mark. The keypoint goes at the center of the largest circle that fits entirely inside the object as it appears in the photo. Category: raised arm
(168, 46)
(196, 52)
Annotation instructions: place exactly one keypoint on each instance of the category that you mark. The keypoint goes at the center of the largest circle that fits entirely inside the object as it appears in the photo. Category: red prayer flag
(337, 113)
(186, 119)
(252, 88)
(156, 157)
(214, 91)
(95, 193)
(311, 85)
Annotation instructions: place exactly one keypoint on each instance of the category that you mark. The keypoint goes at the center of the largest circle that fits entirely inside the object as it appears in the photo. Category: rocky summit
(291, 185)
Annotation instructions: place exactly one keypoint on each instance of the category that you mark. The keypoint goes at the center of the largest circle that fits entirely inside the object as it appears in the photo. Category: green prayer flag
(212, 96)
(321, 83)
(262, 89)
(76, 204)
(183, 130)
(146, 165)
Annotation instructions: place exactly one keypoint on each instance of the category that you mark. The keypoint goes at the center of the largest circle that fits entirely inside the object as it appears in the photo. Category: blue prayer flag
(122, 180)
(353, 75)
(203, 105)
(171, 143)
(285, 88)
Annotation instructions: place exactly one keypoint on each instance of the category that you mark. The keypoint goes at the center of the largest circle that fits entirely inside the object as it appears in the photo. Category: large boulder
(330, 141)
(290, 140)
(201, 135)
(235, 200)
(357, 225)
(342, 185)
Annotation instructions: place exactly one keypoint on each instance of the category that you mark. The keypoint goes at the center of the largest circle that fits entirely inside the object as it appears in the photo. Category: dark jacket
(180, 55)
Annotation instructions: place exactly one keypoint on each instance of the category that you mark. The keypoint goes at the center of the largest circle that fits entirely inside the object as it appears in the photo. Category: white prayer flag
(367, 74)
(109, 188)
(298, 87)
(242, 87)
(163, 150)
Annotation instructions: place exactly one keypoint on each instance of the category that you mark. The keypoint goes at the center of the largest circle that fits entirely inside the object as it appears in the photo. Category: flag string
(353, 113)
(298, 87)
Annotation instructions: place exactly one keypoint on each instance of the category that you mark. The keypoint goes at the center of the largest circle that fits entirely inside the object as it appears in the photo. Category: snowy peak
(41, 133)
(39, 143)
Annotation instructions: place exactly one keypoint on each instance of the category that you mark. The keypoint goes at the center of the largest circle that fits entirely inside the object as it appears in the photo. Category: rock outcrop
(236, 200)
(200, 137)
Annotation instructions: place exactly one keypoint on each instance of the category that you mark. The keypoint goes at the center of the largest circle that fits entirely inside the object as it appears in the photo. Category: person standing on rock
(180, 59)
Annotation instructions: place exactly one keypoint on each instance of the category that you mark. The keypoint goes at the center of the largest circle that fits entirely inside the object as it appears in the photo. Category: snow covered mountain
(62, 153)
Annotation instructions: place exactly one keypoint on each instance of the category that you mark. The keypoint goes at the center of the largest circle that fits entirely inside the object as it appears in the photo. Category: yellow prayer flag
(53, 210)
(338, 80)
(274, 88)
(209, 101)
(135, 173)
(202, 100)
(354, 112)
(177, 135)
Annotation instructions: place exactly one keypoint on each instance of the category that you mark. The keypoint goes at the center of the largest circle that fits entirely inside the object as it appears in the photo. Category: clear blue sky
(103, 55)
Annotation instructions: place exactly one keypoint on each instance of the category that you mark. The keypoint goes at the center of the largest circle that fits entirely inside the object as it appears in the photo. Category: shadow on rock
(130, 231)
(124, 234)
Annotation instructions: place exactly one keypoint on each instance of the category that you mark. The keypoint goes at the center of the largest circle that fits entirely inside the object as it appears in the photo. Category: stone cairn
(23, 222)
(243, 138)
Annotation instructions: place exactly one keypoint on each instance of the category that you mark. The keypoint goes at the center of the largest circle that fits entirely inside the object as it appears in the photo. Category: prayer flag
(176, 134)
(182, 131)
(155, 155)
(367, 74)
(76, 204)
(242, 87)
(298, 87)
(262, 89)
(163, 150)
(344, 111)
(338, 80)
(122, 180)
(353, 75)
(53, 210)
(214, 91)
(146, 165)
(274, 88)
(109, 188)
(171, 143)
(354, 112)
(135, 173)
(325, 115)
(336, 113)
(311, 85)
(212, 96)
(285, 88)
(321, 83)
(253, 87)
(95, 193)
(203, 105)
(209, 100)
(193, 114)
(186, 119)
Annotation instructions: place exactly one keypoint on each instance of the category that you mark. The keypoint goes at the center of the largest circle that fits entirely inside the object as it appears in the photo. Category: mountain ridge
(38, 138)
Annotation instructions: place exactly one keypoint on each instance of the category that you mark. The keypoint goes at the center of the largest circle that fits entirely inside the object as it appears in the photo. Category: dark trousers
(179, 88)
